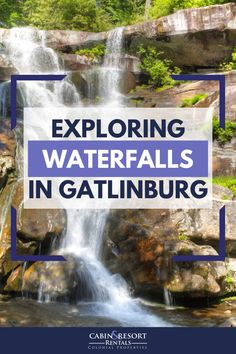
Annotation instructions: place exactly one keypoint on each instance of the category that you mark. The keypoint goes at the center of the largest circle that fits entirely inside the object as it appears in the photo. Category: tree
(11, 13)
(66, 14)
(123, 12)
(165, 7)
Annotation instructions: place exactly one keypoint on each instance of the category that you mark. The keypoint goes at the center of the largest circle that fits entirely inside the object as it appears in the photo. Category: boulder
(224, 158)
(73, 62)
(6, 69)
(37, 224)
(54, 279)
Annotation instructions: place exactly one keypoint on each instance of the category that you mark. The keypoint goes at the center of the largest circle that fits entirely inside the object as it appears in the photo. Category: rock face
(55, 280)
(7, 152)
(35, 228)
(73, 62)
(225, 159)
(36, 224)
(140, 245)
(6, 67)
(191, 36)
(173, 97)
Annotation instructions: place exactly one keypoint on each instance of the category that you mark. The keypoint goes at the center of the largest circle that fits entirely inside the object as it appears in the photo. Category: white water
(108, 294)
(110, 72)
(168, 298)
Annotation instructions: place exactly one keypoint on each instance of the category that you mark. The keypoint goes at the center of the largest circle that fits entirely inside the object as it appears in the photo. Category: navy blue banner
(76, 340)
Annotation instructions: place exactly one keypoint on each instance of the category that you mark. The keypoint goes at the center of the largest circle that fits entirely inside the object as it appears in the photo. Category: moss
(224, 197)
(183, 237)
(189, 102)
(229, 65)
(163, 88)
(231, 298)
(94, 53)
(223, 136)
(227, 182)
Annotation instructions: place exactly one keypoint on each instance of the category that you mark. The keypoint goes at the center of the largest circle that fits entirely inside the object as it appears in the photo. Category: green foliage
(11, 13)
(94, 54)
(230, 298)
(189, 102)
(65, 14)
(122, 12)
(183, 237)
(229, 65)
(227, 182)
(165, 7)
(87, 15)
(229, 280)
(223, 135)
(158, 70)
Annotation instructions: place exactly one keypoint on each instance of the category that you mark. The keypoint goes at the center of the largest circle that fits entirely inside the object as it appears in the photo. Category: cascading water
(110, 73)
(104, 81)
(107, 295)
(26, 50)
(168, 298)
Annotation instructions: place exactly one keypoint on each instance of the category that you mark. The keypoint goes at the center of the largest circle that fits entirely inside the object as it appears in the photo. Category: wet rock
(128, 82)
(7, 151)
(34, 227)
(88, 82)
(5, 104)
(6, 69)
(37, 224)
(75, 62)
(54, 279)
(231, 322)
(14, 282)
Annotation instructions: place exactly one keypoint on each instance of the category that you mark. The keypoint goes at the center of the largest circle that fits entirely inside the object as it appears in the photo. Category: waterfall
(107, 294)
(25, 48)
(168, 298)
(110, 73)
(3, 99)
(104, 81)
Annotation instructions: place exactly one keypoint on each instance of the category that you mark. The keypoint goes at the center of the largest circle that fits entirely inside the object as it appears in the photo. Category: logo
(117, 340)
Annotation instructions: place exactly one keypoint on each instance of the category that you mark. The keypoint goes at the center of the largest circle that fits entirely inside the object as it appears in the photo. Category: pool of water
(19, 312)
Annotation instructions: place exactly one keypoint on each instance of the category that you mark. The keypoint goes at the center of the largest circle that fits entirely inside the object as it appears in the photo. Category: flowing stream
(105, 294)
